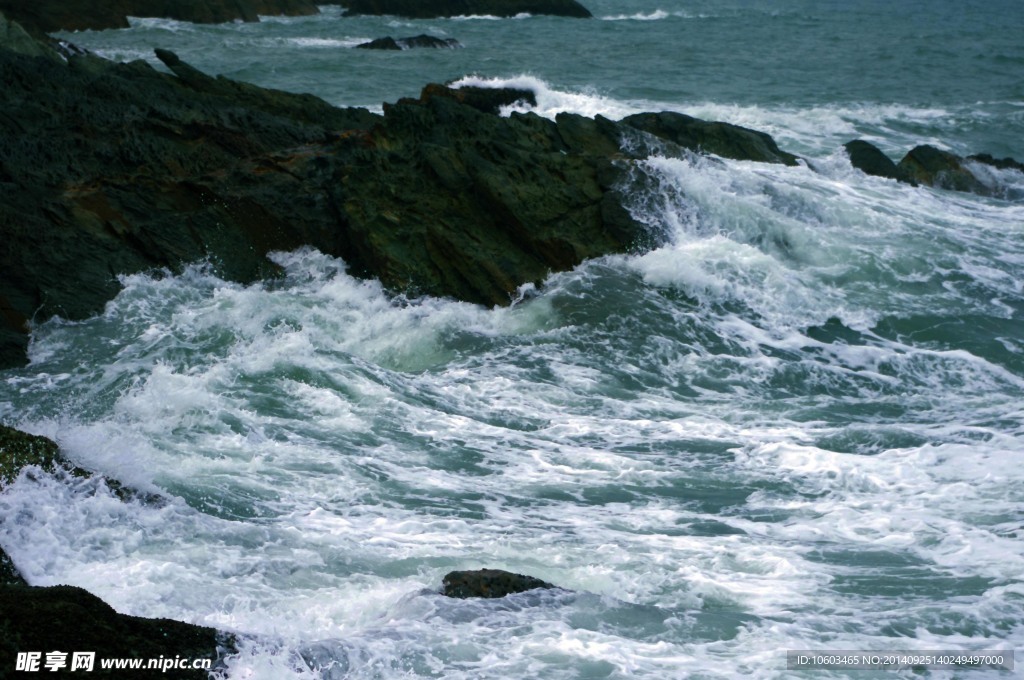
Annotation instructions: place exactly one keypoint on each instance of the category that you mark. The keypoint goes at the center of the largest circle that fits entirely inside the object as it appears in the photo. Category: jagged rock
(721, 139)
(1001, 163)
(869, 159)
(429, 9)
(112, 168)
(389, 43)
(485, 99)
(487, 203)
(488, 583)
(70, 619)
(47, 16)
(117, 168)
(14, 38)
(927, 165)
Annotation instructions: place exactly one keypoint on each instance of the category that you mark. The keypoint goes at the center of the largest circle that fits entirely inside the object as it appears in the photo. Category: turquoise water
(797, 425)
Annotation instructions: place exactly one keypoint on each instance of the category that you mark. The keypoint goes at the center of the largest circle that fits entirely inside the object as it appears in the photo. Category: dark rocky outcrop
(109, 169)
(487, 203)
(485, 99)
(13, 37)
(429, 9)
(934, 167)
(1001, 163)
(488, 583)
(721, 139)
(70, 619)
(870, 160)
(416, 41)
(19, 449)
(116, 168)
(47, 16)
(926, 164)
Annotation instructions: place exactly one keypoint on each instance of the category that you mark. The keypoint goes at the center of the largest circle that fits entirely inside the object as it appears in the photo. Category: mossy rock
(19, 449)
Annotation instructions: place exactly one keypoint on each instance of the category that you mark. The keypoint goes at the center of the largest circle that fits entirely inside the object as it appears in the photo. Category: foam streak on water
(797, 424)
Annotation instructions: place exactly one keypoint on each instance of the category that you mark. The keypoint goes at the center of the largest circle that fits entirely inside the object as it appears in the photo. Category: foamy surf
(795, 425)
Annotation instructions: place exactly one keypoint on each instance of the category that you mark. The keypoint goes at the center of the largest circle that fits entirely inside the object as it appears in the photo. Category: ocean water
(797, 425)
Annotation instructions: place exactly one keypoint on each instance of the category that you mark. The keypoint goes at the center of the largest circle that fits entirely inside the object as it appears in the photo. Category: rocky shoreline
(40, 17)
(109, 169)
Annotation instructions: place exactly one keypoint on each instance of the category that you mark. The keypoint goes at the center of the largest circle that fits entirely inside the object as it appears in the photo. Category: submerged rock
(722, 139)
(488, 583)
(429, 9)
(47, 16)
(71, 619)
(870, 160)
(423, 40)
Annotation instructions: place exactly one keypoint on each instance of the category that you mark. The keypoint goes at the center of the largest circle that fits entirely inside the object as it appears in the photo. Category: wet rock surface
(67, 618)
(70, 619)
(9, 575)
(110, 169)
(722, 139)
(869, 159)
(416, 41)
(19, 449)
(926, 164)
(934, 167)
(488, 583)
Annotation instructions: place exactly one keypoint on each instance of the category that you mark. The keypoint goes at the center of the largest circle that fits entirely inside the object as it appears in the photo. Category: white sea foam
(551, 102)
(656, 15)
(674, 436)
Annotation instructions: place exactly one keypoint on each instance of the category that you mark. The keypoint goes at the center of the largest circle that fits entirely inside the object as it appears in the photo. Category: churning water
(797, 425)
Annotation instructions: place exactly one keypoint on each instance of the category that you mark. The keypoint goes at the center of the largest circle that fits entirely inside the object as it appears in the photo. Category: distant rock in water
(389, 43)
(870, 160)
(934, 167)
(488, 583)
(430, 9)
(722, 139)
(1001, 163)
(47, 16)
(937, 168)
